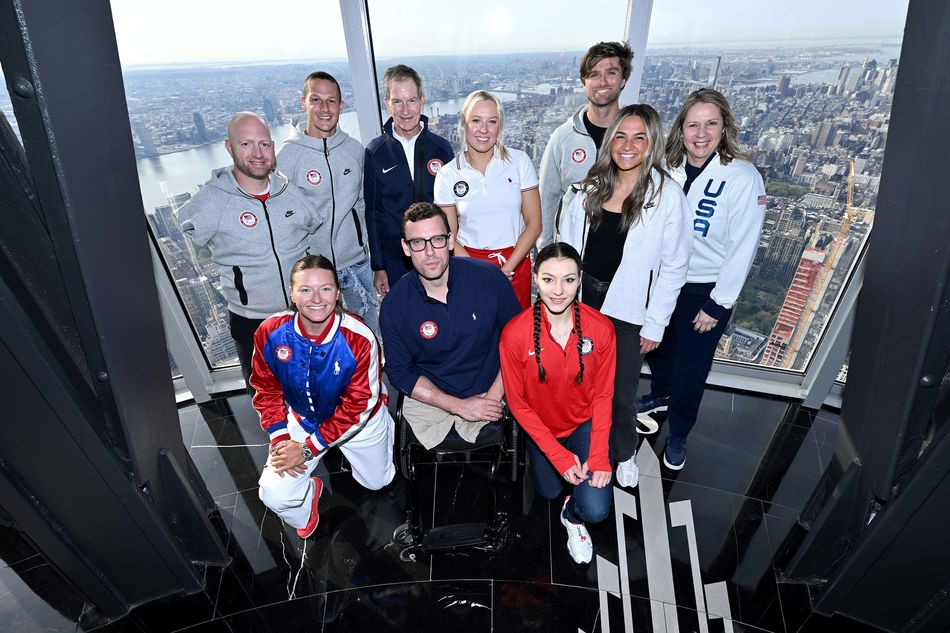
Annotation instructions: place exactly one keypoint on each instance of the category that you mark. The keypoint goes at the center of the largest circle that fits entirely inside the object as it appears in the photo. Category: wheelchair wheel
(402, 535)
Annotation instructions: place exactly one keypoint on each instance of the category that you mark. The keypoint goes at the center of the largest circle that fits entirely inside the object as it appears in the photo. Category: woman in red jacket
(557, 362)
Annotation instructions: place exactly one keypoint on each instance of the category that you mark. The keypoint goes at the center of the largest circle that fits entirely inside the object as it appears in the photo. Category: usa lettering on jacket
(706, 208)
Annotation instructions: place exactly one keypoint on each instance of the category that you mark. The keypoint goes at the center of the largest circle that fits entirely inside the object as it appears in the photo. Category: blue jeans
(587, 504)
(359, 293)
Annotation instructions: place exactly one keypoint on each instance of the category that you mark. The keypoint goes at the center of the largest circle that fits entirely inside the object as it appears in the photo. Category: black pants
(623, 429)
(242, 331)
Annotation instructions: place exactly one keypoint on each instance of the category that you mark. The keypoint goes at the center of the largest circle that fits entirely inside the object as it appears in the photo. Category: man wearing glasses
(440, 330)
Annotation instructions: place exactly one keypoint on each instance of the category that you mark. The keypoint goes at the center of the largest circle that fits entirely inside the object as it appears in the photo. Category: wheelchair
(491, 535)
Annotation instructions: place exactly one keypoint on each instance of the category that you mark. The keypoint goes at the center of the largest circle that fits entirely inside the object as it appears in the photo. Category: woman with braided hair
(557, 363)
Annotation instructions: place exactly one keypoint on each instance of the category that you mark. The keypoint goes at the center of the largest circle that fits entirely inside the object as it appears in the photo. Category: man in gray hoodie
(573, 147)
(256, 225)
(327, 164)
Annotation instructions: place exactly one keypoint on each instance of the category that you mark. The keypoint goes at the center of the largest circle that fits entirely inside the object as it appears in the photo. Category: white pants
(370, 453)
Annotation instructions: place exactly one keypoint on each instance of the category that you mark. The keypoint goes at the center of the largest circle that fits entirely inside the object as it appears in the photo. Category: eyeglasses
(418, 244)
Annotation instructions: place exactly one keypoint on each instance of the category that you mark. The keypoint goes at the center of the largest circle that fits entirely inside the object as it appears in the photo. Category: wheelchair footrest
(449, 538)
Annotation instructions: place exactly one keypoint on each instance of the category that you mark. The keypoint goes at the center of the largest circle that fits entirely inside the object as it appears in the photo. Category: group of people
(641, 245)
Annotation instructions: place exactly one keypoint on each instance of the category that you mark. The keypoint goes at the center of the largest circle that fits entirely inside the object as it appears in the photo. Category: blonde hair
(470, 102)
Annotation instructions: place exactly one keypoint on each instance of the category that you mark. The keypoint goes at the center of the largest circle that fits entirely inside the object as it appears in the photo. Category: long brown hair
(558, 250)
(729, 147)
(602, 177)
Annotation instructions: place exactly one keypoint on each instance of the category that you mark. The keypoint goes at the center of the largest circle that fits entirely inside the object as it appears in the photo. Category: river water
(180, 172)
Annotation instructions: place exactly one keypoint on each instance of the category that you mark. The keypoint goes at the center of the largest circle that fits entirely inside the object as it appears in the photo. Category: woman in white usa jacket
(654, 231)
(727, 202)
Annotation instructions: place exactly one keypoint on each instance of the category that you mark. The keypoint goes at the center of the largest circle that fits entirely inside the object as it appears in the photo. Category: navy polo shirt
(453, 344)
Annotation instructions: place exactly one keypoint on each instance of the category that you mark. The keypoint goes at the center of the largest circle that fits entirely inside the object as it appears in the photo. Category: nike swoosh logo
(386, 171)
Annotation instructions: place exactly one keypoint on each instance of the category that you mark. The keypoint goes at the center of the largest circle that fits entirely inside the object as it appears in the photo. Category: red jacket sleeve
(513, 374)
(269, 396)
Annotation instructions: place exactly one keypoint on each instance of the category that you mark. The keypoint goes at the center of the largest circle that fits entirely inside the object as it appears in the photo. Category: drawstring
(502, 260)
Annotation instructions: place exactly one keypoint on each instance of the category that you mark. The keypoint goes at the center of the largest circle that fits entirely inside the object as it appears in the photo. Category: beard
(254, 171)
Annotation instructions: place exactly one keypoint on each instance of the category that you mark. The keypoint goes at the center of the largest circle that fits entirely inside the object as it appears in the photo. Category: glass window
(527, 53)
(6, 107)
(843, 372)
(811, 90)
(187, 68)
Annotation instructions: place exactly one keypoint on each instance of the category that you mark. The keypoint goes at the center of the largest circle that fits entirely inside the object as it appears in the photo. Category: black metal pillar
(878, 549)
(92, 461)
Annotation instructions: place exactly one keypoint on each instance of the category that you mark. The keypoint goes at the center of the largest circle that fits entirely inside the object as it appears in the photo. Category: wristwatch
(305, 452)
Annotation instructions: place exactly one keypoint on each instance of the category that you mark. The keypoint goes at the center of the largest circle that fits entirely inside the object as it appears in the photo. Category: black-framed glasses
(418, 244)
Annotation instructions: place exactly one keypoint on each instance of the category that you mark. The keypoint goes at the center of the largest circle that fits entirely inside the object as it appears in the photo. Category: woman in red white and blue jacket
(317, 372)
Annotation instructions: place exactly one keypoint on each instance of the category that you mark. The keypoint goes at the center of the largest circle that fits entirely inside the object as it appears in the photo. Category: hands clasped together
(286, 457)
(580, 472)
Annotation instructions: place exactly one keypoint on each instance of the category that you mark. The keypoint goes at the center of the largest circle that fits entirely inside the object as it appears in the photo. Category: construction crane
(817, 293)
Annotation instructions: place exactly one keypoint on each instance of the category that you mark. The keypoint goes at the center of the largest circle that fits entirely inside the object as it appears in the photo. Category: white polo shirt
(489, 206)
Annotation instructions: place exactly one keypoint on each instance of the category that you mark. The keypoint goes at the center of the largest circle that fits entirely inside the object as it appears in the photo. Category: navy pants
(587, 504)
(682, 362)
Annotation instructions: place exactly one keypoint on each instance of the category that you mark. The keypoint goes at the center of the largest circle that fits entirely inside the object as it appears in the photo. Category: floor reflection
(698, 550)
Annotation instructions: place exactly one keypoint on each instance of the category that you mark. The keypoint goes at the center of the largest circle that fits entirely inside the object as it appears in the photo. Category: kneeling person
(324, 364)
(558, 361)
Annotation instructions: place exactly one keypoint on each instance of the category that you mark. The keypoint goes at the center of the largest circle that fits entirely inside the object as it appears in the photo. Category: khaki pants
(431, 424)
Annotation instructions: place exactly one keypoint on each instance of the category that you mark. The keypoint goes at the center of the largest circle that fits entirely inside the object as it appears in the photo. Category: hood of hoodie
(223, 179)
(579, 126)
(298, 136)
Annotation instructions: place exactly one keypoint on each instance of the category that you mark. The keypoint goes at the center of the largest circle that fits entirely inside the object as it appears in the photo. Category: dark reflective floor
(697, 550)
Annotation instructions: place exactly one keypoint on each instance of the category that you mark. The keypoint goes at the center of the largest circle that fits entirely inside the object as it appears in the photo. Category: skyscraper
(201, 130)
(144, 135)
(783, 85)
(842, 78)
(796, 302)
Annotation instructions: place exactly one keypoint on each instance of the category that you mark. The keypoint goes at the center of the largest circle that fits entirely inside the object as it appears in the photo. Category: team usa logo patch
(429, 330)
(460, 189)
(283, 353)
(248, 220)
(314, 177)
(434, 166)
(579, 155)
(587, 345)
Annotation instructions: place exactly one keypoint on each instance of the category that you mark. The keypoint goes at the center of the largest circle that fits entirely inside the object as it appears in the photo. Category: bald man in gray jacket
(256, 225)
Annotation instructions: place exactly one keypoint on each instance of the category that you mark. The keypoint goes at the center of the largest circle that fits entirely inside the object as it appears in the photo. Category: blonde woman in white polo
(490, 194)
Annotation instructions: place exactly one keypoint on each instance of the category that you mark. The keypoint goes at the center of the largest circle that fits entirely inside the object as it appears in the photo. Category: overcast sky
(180, 31)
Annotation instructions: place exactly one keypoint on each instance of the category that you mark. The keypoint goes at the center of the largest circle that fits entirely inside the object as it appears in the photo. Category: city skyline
(808, 115)
(209, 35)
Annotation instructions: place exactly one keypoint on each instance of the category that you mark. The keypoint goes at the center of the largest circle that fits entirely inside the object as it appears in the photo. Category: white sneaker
(579, 545)
(627, 473)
